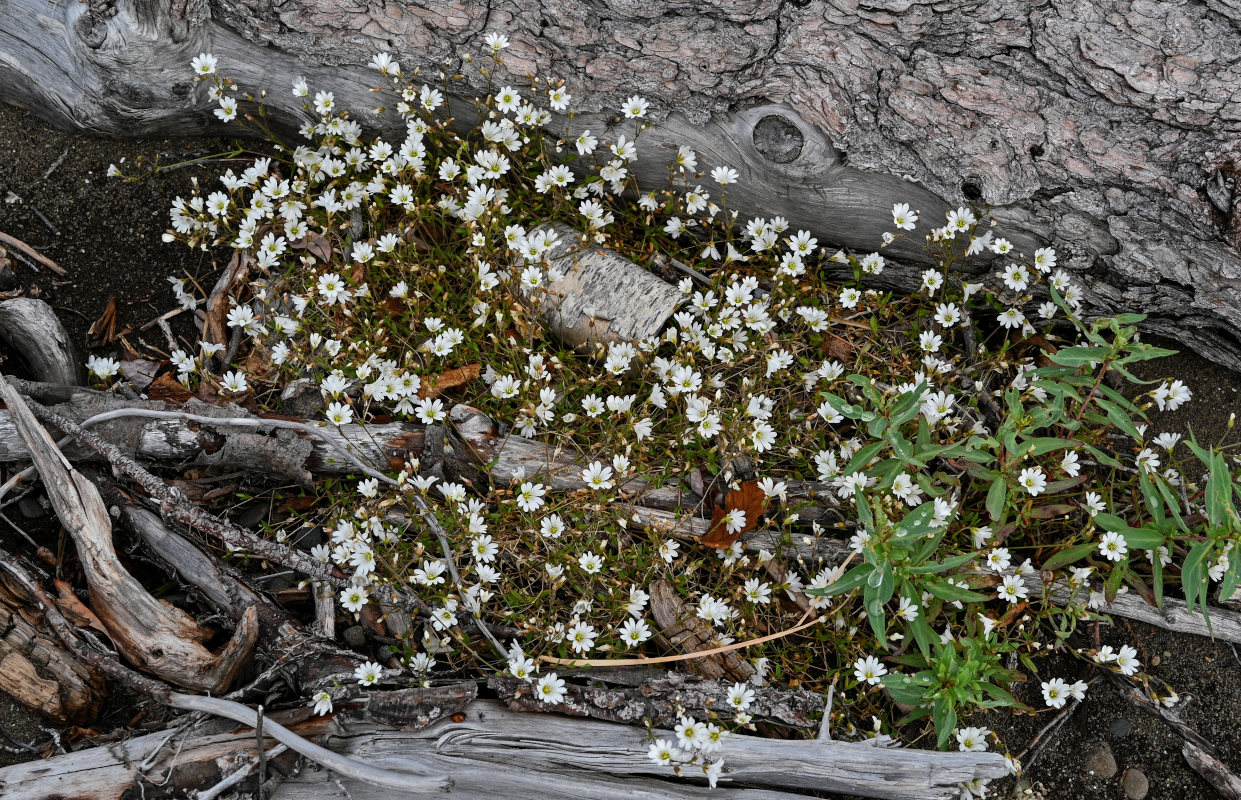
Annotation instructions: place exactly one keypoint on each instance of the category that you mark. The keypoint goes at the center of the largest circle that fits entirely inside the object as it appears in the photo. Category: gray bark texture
(1107, 129)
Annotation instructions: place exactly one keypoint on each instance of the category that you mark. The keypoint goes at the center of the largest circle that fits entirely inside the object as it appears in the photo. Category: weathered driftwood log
(111, 771)
(31, 329)
(261, 447)
(154, 635)
(547, 756)
(35, 669)
(1107, 129)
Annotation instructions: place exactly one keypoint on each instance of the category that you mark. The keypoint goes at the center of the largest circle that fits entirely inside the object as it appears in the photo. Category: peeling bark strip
(1108, 129)
(603, 297)
(35, 669)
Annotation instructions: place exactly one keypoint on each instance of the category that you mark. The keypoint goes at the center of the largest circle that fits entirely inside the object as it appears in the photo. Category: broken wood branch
(22, 247)
(154, 635)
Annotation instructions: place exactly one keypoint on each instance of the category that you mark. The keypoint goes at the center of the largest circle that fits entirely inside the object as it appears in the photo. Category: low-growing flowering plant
(951, 481)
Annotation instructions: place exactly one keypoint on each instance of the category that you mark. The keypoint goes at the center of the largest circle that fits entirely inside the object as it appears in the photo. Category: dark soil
(107, 235)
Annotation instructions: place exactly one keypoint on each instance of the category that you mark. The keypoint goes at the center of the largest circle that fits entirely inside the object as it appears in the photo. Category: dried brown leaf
(168, 389)
(837, 347)
(748, 498)
(316, 244)
(436, 385)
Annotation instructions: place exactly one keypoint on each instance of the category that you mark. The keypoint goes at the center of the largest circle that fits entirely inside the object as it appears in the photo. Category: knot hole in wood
(778, 140)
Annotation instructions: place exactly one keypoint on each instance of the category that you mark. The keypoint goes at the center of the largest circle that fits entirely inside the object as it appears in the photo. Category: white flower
(1127, 660)
(323, 703)
(530, 496)
(972, 740)
(668, 550)
(597, 476)
(550, 689)
(1012, 318)
(947, 314)
(227, 111)
(998, 559)
(431, 410)
(1045, 259)
(496, 41)
(1069, 464)
(590, 563)
(635, 632)
(234, 381)
(734, 520)
(203, 64)
(1168, 441)
(368, 673)
(1013, 589)
(903, 218)
(662, 752)
(740, 697)
(353, 598)
(339, 414)
(869, 670)
(1034, 480)
(1056, 692)
(690, 734)
(1171, 396)
(581, 638)
(103, 368)
(757, 592)
(724, 175)
(634, 107)
(1094, 503)
(1113, 546)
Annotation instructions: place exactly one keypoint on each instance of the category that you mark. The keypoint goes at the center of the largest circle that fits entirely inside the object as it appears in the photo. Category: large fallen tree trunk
(1107, 129)
(491, 751)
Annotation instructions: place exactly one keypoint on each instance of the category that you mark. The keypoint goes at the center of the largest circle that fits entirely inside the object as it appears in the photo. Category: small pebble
(356, 637)
(1155, 661)
(1100, 761)
(1135, 784)
(1120, 728)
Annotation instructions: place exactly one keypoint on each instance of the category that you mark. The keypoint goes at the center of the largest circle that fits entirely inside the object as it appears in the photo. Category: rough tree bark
(1109, 129)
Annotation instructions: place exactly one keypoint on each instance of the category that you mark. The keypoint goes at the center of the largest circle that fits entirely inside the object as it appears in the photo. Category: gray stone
(1100, 761)
(1135, 784)
(1120, 728)
(356, 637)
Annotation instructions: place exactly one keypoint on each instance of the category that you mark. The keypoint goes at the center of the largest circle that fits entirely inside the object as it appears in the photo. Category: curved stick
(350, 768)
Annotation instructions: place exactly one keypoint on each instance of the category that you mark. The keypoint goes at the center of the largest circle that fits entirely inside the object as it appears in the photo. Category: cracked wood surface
(1109, 129)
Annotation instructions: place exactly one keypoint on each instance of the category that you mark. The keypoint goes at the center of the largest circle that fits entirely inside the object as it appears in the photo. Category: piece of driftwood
(602, 297)
(547, 756)
(156, 636)
(185, 434)
(31, 329)
(315, 663)
(35, 668)
(189, 760)
(663, 699)
(1213, 771)
(683, 632)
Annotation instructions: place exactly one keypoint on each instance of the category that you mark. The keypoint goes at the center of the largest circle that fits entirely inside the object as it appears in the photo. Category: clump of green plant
(947, 482)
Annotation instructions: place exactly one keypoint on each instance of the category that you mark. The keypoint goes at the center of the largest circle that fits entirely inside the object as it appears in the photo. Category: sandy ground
(107, 234)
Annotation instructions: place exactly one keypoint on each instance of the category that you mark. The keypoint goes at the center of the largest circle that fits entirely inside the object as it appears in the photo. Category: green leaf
(951, 593)
(1119, 418)
(1042, 445)
(945, 718)
(1195, 582)
(917, 523)
(996, 496)
(846, 583)
(943, 566)
(906, 689)
(1069, 556)
(862, 457)
(1079, 356)
(863, 512)
(1135, 538)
